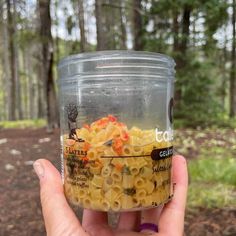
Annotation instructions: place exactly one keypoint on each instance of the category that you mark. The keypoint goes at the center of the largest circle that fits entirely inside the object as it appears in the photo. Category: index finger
(172, 218)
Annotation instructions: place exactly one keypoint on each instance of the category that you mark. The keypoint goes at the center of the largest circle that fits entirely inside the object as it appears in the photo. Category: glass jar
(116, 129)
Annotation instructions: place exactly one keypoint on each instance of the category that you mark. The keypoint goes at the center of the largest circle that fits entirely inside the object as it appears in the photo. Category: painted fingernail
(38, 168)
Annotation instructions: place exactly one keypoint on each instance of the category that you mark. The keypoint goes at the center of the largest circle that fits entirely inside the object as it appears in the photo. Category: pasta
(108, 182)
(147, 201)
(109, 167)
(95, 168)
(116, 175)
(97, 181)
(128, 181)
(127, 202)
(115, 205)
(149, 186)
(139, 182)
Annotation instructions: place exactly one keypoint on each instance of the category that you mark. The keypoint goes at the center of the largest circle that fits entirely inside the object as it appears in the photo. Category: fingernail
(38, 168)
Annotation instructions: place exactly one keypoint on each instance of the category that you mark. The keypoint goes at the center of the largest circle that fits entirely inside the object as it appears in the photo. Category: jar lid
(116, 63)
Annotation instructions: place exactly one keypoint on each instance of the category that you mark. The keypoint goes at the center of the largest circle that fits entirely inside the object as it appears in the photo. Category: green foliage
(199, 105)
(214, 170)
(212, 182)
(199, 78)
(70, 24)
(215, 15)
(38, 123)
(211, 165)
(205, 195)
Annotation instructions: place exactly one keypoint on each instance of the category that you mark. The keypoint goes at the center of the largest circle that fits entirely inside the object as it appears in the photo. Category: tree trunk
(111, 31)
(47, 63)
(122, 25)
(110, 21)
(101, 43)
(81, 26)
(180, 48)
(175, 31)
(19, 107)
(185, 29)
(12, 87)
(25, 86)
(2, 101)
(224, 75)
(6, 71)
(57, 56)
(232, 85)
(137, 25)
(31, 92)
(29, 87)
(41, 92)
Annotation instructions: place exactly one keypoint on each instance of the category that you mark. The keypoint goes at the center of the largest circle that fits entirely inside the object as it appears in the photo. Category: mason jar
(116, 112)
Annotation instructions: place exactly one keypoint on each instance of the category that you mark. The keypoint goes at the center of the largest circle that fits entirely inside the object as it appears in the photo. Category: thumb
(58, 216)
(173, 212)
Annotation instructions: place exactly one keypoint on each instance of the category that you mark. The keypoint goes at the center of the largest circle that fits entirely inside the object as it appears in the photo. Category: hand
(60, 220)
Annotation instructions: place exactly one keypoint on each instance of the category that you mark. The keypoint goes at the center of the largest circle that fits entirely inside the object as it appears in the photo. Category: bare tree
(47, 63)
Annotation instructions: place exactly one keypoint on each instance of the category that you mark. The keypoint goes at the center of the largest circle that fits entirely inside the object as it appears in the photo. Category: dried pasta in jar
(112, 168)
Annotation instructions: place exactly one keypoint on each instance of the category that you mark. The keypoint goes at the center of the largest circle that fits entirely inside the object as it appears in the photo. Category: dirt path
(20, 212)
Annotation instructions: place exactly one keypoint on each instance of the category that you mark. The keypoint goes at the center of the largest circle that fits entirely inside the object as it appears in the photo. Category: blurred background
(198, 34)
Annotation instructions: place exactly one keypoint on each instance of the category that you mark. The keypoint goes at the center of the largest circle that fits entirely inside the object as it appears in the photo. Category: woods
(200, 35)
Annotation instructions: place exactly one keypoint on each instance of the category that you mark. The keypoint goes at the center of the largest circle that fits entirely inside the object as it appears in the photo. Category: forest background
(198, 34)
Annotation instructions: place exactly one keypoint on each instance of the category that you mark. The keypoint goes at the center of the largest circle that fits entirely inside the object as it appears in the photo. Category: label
(167, 135)
(75, 152)
(163, 153)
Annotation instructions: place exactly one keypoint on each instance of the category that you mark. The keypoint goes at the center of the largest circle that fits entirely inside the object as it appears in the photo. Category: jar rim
(116, 62)
(116, 54)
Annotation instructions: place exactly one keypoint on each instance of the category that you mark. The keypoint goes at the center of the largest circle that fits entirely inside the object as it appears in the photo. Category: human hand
(60, 220)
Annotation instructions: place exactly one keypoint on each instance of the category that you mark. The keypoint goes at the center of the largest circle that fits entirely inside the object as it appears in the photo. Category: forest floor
(20, 211)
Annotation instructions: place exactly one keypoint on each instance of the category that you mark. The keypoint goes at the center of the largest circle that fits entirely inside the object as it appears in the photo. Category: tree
(122, 25)
(232, 85)
(47, 63)
(180, 47)
(99, 26)
(12, 57)
(19, 107)
(111, 31)
(137, 25)
(5, 64)
(56, 24)
(81, 26)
